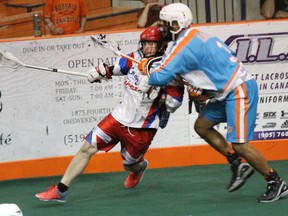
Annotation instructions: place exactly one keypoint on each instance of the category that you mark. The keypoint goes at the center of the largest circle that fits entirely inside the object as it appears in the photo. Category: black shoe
(275, 190)
(240, 174)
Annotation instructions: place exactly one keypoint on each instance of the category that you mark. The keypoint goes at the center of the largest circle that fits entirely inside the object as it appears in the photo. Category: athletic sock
(272, 176)
(62, 187)
(140, 170)
(233, 159)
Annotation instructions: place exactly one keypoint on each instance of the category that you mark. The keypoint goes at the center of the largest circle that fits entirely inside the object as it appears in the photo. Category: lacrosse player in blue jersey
(205, 62)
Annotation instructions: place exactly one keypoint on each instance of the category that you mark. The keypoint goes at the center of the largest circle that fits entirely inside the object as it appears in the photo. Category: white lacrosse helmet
(177, 12)
(10, 209)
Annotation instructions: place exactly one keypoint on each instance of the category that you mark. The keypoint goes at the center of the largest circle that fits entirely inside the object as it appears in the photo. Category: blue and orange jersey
(203, 61)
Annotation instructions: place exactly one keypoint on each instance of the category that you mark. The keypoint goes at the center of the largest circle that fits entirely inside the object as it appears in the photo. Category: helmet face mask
(176, 13)
(151, 42)
(149, 48)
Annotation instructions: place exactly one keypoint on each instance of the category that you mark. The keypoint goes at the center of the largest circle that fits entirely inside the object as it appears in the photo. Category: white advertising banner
(45, 114)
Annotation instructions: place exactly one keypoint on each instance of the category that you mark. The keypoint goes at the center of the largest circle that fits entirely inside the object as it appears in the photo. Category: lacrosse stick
(100, 40)
(9, 60)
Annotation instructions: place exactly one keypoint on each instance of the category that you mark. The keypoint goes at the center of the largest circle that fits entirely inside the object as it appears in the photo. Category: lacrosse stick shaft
(75, 73)
(9, 60)
(129, 57)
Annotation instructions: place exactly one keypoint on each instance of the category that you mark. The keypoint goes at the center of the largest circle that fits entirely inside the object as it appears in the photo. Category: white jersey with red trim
(136, 109)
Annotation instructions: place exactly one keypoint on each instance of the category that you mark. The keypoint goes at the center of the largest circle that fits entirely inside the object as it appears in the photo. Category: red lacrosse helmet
(151, 34)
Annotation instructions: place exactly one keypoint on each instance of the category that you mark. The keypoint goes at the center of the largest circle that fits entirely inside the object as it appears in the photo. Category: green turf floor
(185, 191)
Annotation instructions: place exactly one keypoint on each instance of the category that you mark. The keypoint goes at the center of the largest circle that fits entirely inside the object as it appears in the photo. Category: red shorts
(134, 141)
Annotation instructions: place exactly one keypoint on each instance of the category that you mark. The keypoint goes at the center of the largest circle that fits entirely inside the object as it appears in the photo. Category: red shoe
(133, 179)
(52, 194)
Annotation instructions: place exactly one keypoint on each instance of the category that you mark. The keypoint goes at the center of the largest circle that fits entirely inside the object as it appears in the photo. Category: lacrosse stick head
(98, 39)
(101, 41)
(7, 59)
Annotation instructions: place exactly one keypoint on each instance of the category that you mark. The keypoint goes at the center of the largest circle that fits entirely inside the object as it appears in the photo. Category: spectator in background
(149, 15)
(270, 9)
(65, 16)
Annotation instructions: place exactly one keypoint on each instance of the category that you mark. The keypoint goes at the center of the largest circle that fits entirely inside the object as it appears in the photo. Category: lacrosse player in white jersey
(133, 123)
(206, 62)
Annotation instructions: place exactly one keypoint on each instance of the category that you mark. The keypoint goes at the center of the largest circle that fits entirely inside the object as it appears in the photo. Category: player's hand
(143, 66)
(98, 73)
(193, 91)
(197, 93)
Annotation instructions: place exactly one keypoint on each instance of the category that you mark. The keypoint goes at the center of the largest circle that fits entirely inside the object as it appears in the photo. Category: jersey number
(232, 58)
